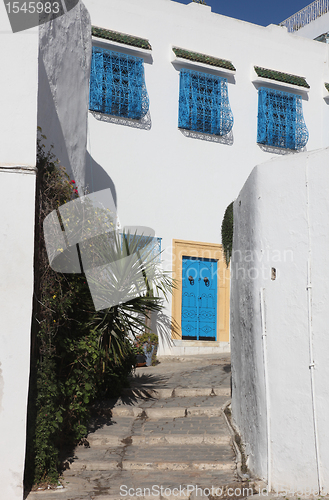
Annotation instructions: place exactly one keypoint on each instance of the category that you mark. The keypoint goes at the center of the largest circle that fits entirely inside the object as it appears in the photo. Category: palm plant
(136, 286)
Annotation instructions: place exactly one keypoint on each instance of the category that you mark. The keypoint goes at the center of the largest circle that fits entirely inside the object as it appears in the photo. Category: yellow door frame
(206, 251)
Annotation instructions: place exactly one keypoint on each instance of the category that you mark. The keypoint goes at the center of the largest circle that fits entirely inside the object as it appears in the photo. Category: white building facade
(183, 104)
(216, 97)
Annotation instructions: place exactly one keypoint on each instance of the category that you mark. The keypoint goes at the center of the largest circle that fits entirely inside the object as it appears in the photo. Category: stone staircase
(157, 440)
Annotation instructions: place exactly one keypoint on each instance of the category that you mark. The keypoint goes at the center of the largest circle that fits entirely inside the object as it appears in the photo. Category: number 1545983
(33, 7)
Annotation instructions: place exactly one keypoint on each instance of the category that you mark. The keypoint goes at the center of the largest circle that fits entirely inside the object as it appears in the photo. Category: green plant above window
(115, 36)
(281, 77)
(202, 58)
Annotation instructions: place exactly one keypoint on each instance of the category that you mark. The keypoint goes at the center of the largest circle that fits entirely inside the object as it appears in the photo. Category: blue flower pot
(148, 355)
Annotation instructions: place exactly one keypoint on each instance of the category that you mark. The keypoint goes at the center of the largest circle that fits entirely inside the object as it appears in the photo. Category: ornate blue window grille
(117, 84)
(280, 119)
(203, 103)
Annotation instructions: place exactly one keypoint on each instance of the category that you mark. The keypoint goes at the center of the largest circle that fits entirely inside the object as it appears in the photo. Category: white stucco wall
(16, 290)
(248, 381)
(18, 122)
(281, 221)
(178, 185)
(64, 66)
(18, 99)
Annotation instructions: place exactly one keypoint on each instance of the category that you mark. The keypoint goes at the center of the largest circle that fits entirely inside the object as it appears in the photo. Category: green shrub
(69, 368)
(227, 233)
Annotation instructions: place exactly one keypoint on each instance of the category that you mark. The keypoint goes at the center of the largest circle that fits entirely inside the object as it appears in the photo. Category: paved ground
(168, 431)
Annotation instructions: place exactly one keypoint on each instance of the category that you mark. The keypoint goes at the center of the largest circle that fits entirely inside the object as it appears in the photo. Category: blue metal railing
(306, 15)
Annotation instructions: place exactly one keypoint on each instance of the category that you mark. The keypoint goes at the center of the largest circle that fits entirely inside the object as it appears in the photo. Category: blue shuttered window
(203, 103)
(280, 119)
(117, 84)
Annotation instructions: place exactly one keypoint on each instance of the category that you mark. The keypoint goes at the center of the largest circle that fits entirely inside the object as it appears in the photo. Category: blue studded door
(199, 298)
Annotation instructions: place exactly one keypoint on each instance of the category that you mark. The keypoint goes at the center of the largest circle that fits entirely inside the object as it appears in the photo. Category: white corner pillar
(16, 292)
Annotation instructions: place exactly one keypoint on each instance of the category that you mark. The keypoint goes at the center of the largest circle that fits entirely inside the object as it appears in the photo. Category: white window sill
(181, 62)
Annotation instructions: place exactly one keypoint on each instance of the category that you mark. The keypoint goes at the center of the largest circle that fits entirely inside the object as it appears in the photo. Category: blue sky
(261, 12)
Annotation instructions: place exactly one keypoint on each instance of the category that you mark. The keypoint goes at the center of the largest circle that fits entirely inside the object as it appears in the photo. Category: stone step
(142, 484)
(132, 405)
(186, 402)
(171, 431)
(203, 456)
(172, 407)
(160, 465)
(181, 392)
(193, 425)
(155, 465)
(161, 457)
(156, 439)
(174, 412)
